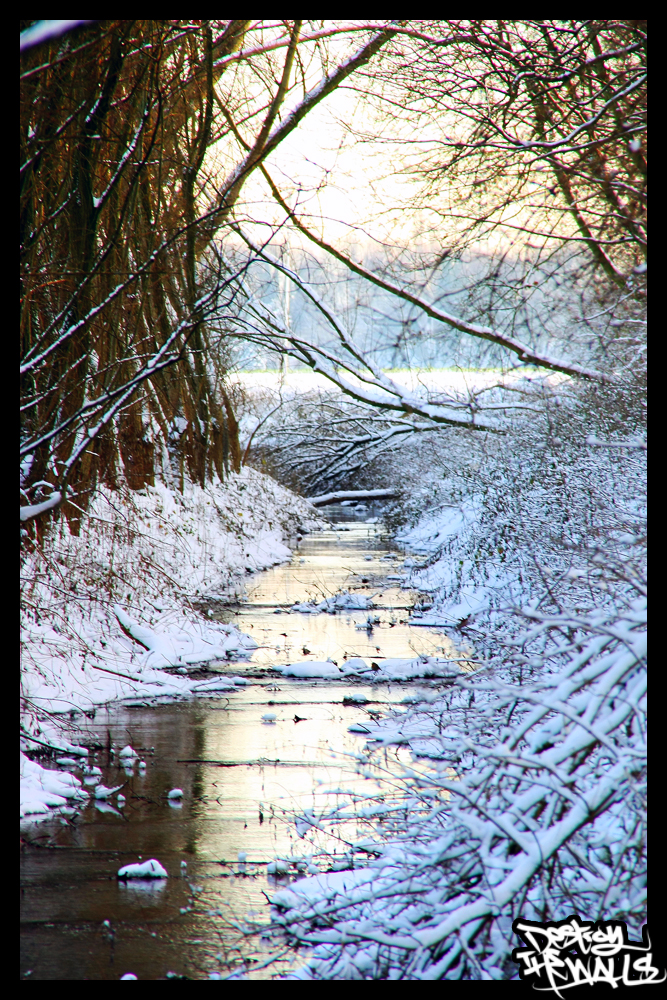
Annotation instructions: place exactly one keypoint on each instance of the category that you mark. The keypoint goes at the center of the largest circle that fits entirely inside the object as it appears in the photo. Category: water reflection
(243, 781)
(358, 560)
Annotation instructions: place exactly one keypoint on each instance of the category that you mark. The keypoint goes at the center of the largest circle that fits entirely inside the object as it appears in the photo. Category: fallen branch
(328, 498)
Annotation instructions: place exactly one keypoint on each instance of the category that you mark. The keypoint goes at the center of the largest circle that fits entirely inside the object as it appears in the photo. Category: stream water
(243, 780)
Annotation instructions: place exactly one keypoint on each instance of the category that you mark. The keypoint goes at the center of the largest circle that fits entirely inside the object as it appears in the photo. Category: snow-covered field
(453, 381)
(105, 612)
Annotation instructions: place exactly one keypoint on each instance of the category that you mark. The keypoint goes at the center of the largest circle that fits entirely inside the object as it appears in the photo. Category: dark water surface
(243, 780)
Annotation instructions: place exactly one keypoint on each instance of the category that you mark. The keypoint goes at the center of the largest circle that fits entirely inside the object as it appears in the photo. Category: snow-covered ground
(105, 612)
(527, 792)
(451, 380)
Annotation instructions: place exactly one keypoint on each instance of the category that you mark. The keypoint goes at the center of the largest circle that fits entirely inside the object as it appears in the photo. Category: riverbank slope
(106, 611)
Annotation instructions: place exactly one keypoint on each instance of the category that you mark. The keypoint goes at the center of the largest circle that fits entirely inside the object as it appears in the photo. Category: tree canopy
(139, 256)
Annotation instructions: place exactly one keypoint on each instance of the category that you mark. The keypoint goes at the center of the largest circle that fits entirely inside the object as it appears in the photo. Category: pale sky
(351, 192)
(358, 187)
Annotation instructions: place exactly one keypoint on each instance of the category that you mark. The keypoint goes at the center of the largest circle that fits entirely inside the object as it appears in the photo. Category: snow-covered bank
(43, 790)
(106, 611)
(535, 819)
(526, 795)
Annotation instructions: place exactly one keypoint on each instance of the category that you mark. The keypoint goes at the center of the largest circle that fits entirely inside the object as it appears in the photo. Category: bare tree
(537, 126)
(118, 215)
(125, 220)
(530, 134)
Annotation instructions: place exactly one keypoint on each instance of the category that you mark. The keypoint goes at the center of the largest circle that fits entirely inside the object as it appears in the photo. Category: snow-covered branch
(328, 498)
(34, 510)
(371, 384)
(524, 351)
(44, 31)
(229, 191)
(545, 820)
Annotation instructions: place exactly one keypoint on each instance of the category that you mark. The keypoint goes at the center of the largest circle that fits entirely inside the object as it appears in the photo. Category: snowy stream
(242, 777)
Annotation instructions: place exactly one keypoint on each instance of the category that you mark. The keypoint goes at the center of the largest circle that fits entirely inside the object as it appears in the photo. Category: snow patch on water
(146, 869)
(345, 601)
(391, 668)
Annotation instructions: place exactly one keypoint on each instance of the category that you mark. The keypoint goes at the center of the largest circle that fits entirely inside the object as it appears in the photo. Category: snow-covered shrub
(551, 510)
(532, 806)
(527, 793)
